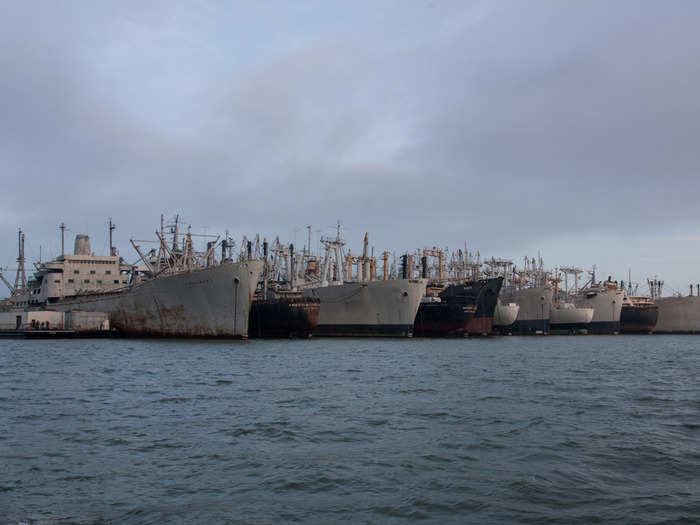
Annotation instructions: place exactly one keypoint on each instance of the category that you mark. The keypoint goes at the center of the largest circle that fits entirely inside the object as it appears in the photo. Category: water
(530, 430)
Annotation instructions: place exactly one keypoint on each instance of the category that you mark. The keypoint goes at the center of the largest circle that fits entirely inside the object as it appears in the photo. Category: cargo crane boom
(8, 284)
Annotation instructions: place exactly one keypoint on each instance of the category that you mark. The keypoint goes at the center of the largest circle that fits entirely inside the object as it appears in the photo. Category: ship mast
(570, 270)
(308, 253)
(333, 264)
(175, 232)
(62, 227)
(112, 227)
(21, 277)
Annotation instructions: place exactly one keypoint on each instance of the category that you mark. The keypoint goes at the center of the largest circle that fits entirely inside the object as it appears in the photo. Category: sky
(568, 129)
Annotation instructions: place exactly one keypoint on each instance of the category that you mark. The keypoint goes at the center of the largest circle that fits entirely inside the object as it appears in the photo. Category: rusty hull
(208, 302)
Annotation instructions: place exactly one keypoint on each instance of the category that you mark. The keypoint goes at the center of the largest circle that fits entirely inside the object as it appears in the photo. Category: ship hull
(605, 327)
(566, 318)
(678, 315)
(443, 319)
(374, 308)
(533, 312)
(208, 302)
(283, 317)
(465, 309)
(504, 316)
(638, 319)
(607, 307)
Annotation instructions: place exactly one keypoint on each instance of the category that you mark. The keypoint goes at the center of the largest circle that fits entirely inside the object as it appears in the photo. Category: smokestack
(82, 245)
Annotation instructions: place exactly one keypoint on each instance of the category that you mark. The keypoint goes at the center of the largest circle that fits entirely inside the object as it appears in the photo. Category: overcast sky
(571, 128)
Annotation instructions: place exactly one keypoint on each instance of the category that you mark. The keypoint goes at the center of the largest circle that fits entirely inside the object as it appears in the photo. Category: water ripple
(528, 430)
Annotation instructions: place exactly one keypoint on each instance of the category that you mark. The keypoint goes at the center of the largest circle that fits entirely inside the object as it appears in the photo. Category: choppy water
(535, 430)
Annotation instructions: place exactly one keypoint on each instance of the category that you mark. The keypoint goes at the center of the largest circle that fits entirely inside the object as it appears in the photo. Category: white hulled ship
(505, 315)
(362, 304)
(527, 288)
(174, 292)
(565, 316)
(676, 314)
(606, 300)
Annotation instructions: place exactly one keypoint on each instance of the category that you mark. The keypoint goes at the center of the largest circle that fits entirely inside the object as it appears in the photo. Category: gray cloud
(507, 125)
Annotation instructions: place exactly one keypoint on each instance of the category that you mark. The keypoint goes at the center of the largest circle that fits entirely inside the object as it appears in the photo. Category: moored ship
(565, 316)
(285, 315)
(606, 300)
(504, 316)
(534, 306)
(278, 308)
(677, 314)
(638, 316)
(459, 309)
(528, 288)
(374, 308)
(176, 292)
(350, 305)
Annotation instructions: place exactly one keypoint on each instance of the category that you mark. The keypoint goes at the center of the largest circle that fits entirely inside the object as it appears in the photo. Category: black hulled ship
(638, 316)
(458, 309)
(279, 309)
(285, 315)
